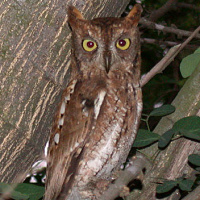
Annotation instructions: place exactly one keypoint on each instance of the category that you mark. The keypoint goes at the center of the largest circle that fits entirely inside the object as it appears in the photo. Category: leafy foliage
(188, 127)
(145, 138)
(165, 139)
(21, 191)
(166, 186)
(189, 63)
(162, 111)
(194, 159)
(181, 183)
(34, 192)
(8, 189)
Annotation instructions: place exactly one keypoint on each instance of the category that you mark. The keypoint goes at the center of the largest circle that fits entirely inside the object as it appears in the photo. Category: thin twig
(165, 43)
(168, 6)
(187, 5)
(169, 57)
(152, 25)
(158, 42)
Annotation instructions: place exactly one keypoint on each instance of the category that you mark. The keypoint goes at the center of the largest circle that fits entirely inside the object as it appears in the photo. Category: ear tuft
(135, 14)
(74, 15)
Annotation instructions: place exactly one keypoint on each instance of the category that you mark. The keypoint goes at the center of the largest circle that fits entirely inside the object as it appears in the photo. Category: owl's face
(104, 43)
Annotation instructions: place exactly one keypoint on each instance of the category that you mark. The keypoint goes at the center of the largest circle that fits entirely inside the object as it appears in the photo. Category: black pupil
(90, 44)
(122, 43)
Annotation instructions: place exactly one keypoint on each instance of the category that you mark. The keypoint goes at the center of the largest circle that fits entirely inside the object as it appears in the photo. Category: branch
(174, 196)
(169, 57)
(187, 5)
(158, 42)
(151, 25)
(129, 174)
(166, 43)
(168, 6)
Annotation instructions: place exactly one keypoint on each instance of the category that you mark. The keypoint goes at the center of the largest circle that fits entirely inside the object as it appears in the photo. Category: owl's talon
(125, 192)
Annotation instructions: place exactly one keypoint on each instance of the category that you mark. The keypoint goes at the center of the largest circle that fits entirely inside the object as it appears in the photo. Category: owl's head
(106, 44)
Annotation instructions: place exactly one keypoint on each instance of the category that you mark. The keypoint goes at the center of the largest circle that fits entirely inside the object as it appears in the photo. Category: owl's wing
(72, 125)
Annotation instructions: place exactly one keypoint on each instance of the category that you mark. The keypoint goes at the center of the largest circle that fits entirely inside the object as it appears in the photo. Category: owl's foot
(125, 192)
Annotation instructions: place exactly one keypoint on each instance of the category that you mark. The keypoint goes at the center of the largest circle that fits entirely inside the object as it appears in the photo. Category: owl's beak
(107, 63)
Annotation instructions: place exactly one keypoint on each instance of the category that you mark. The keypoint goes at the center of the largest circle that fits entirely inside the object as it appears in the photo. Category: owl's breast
(116, 111)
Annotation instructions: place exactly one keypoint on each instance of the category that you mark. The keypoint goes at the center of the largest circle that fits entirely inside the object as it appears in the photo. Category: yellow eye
(89, 45)
(123, 44)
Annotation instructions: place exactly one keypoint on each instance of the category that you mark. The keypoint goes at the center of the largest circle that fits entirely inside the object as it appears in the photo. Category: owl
(99, 113)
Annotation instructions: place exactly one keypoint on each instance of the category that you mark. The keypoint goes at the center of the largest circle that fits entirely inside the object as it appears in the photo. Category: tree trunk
(34, 63)
(173, 162)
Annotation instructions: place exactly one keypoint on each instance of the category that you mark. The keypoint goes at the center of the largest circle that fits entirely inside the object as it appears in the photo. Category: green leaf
(166, 186)
(193, 136)
(194, 159)
(189, 127)
(198, 50)
(189, 63)
(35, 192)
(7, 188)
(165, 139)
(186, 185)
(145, 138)
(163, 110)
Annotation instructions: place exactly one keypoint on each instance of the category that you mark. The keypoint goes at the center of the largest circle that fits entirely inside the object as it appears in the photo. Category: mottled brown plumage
(99, 113)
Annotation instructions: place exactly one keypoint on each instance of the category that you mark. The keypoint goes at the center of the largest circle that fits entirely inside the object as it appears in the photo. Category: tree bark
(173, 161)
(34, 68)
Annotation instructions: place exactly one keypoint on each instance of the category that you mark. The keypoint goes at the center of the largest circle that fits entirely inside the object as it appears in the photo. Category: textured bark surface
(173, 162)
(34, 69)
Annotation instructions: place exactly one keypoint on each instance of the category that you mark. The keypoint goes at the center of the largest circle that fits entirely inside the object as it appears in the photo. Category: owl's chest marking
(110, 113)
(98, 102)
